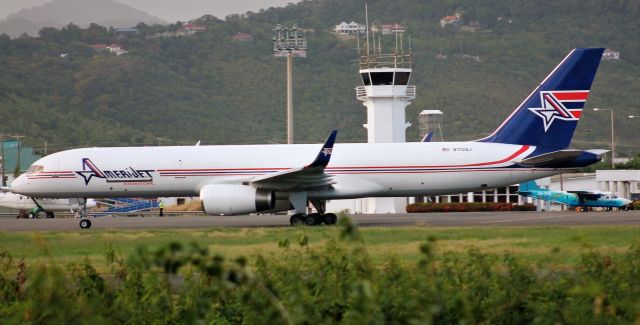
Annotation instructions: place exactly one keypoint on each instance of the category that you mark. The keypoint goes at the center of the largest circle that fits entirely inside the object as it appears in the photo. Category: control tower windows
(382, 78)
(385, 78)
(402, 78)
(365, 79)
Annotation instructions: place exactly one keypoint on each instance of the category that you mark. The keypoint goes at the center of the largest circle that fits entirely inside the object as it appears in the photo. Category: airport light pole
(290, 43)
(613, 148)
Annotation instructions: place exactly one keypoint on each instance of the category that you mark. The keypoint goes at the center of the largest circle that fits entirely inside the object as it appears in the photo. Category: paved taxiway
(451, 219)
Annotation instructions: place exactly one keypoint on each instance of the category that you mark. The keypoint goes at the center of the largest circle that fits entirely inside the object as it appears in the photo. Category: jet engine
(231, 199)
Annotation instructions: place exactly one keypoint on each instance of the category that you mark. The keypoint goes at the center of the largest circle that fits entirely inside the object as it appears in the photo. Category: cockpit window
(35, 169)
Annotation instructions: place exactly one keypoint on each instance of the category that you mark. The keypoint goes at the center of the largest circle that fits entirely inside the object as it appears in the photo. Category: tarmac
(449, 219)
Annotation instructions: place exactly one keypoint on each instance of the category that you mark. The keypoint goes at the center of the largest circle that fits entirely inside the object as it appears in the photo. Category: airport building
(13, 152)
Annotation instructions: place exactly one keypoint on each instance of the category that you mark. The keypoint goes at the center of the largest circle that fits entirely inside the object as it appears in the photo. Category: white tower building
(386, 93)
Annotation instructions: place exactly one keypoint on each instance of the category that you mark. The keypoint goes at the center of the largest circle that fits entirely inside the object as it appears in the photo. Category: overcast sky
(170, 10)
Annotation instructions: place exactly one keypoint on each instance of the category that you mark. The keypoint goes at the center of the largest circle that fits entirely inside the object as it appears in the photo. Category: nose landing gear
(85, 223)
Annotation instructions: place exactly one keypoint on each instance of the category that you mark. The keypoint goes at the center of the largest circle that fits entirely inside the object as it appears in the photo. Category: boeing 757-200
(239, 179)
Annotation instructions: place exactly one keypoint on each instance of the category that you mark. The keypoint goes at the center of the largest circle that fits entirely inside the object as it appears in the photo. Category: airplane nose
(20, 184)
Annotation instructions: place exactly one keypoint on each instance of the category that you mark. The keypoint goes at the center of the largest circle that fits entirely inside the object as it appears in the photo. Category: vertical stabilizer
(529, 186)
(548, 117)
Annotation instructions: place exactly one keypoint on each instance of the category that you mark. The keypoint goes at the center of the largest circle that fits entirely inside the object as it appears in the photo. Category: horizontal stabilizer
(5, 189)
(567, 158)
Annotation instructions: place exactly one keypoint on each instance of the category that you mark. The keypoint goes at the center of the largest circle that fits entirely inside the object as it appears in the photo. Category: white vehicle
(43, 208)
(530, 144)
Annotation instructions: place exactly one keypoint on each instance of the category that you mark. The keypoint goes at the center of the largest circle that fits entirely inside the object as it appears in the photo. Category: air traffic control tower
(386, 92)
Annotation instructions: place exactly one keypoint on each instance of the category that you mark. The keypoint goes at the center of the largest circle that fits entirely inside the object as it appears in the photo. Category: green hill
(213, 88)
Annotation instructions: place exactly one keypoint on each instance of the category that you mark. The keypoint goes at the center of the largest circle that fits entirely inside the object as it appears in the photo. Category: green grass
(556, 247)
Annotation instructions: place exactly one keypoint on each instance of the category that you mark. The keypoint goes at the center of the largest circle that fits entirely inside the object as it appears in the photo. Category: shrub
(333, 283)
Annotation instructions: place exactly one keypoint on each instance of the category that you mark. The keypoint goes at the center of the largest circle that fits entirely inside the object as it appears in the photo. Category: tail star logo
(560, 105)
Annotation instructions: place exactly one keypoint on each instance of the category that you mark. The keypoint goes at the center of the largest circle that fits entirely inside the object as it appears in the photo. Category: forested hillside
(210, 87)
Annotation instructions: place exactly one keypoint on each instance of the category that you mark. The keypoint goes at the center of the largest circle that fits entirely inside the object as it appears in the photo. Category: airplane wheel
(85, 223)
(330, 219)
(313, 219)
(50, 215)
(297, 219)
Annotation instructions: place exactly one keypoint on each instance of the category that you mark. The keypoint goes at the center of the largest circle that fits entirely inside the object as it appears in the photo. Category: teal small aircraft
(574, 199)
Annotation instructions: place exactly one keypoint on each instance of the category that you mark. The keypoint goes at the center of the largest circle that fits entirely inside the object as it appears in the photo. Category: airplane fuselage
(21, 202)
(358, 169)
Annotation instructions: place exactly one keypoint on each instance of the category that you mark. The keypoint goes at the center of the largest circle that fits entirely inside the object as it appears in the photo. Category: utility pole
(613, 148)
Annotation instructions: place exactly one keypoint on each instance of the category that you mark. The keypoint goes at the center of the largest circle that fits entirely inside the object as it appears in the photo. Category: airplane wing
(311, 176)
(586, 195)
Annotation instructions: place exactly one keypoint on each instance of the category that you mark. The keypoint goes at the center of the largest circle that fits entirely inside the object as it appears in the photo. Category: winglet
(427, 137)
(323, 157)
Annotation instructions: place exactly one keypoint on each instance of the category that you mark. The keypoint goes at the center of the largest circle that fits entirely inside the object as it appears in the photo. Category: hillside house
(388, 29)
(351, 28)
(610, 54)
(453, 20)
(243, 37)
(116, 49)
(99, 47)
(131, 30)
(190, 29)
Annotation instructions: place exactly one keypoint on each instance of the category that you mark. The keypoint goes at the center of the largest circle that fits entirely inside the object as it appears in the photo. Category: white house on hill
(351, 28)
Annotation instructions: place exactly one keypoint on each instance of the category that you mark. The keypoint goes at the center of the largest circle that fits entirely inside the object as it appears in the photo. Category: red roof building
(243, 37)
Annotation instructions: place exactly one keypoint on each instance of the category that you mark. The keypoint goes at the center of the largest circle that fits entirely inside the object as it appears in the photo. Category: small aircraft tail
(548, 117)
(528, 187)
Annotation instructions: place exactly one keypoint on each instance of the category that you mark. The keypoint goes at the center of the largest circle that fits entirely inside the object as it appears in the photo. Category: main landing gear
(313, 219)
(85, 223)
(300, 203)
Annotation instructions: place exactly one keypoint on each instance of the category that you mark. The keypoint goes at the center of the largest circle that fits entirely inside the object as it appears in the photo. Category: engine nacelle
(230, 199)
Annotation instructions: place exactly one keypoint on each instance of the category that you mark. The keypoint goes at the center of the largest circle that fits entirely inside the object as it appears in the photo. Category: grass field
(554, 247)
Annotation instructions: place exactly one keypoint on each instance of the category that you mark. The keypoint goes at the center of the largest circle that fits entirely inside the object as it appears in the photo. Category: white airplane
(239, 179)
(41, 207)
